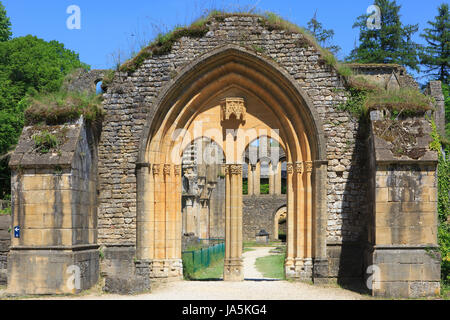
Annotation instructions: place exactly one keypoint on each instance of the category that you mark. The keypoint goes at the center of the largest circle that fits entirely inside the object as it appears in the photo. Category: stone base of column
(301, 270)
(233, 270)
(320, 271)
(166, 270)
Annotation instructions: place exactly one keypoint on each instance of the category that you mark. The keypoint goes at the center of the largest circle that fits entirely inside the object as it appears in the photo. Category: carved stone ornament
(290, 168)
(299, 167)
(233, 106)
(167, 168)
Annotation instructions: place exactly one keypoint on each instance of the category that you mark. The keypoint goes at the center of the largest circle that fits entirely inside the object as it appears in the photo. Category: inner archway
(232, 97)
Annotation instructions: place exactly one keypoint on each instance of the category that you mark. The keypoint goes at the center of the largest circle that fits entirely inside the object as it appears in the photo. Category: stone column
(271, 179)
(233, 270)
(204, 219)
(289, 265)
(278, 179)
(257, 180)
(300, 207)
(309, 211)
(250, 182)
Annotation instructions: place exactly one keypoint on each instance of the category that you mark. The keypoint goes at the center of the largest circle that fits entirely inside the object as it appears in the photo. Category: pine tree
(436, 55)
(323, 36)
(5, 25)
(391, 44)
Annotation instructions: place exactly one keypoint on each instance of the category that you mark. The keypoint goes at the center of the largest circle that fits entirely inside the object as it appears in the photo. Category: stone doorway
(244, 99)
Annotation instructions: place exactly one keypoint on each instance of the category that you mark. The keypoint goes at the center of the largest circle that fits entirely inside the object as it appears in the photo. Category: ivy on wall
(443, 203)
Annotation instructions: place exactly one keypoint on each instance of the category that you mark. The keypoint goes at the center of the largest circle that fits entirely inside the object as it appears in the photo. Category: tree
(27, 65)
(436, 55)
(391, 44)
(323, 36)
(5, 25)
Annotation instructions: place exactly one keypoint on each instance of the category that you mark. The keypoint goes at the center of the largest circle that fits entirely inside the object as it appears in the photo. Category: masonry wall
(5, 241)
(129, 99)
(55, 208)
(405, 250)
(259, 214)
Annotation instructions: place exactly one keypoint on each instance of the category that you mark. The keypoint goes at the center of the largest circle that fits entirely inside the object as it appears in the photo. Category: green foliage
(5, 25)
(436, 55)
(27, 65)
(62, 106)
(355, 102)
(443, 203)
(446, 92)
(5, 212)
(45, 141)
(391, 44)
(245, 186)
(323, 36)
(264, 188)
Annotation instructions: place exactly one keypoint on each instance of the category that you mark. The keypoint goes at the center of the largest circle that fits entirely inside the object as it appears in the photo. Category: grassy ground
(214, 271)
(271, 266)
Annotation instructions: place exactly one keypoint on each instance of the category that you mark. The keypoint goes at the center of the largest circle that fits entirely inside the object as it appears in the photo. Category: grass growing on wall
(61, 107)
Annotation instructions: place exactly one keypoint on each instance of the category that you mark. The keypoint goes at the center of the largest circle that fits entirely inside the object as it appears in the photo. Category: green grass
(60, 107)
(271, 266)
(214, 271)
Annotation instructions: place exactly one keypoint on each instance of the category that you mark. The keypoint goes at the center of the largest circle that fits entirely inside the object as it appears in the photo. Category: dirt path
(255, 287)
(250, 271)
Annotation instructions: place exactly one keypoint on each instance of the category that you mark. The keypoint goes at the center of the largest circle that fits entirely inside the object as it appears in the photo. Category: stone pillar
(278, 179)
(289, 264)
(250, 181)
(233, 270)
(300, 225)
(204, 219)
(257, 179)
(271, 179)
(190, 221)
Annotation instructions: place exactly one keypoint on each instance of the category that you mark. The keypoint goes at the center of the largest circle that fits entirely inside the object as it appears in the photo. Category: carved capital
(233, 106)
(167, 168)
(299, 167)
(226, 169)
(156, 169)
(309, 166)
(290, 168)
(236, 169)
(177, 170)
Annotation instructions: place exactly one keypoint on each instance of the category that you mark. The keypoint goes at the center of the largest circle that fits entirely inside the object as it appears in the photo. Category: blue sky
(113, 26)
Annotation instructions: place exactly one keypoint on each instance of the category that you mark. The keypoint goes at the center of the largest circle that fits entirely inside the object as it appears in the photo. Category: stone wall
(403, 229)
(54, 204)
(5, 241)
(129, 99)
(259, 214)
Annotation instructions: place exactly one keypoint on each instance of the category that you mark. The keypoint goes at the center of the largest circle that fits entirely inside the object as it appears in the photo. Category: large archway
(232, 97)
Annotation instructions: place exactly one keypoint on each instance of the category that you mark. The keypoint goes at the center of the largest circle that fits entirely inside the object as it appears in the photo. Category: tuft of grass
(403, 99)
(61, 107)
(45, 141)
